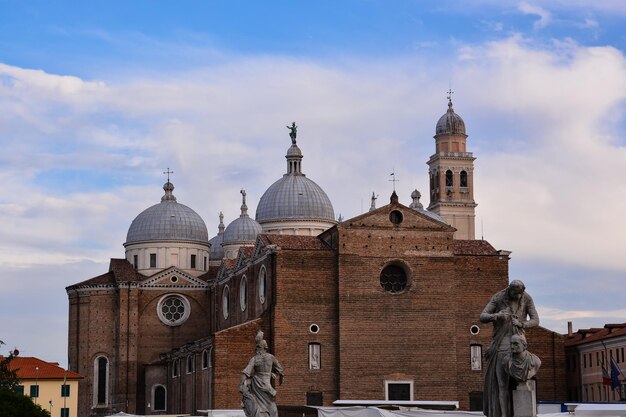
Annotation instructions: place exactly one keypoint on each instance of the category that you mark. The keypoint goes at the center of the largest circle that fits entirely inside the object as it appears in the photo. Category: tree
(8, 377)
(12, 403)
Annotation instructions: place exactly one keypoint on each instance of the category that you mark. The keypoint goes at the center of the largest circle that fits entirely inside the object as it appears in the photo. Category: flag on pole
(606, 378)
(615, 371)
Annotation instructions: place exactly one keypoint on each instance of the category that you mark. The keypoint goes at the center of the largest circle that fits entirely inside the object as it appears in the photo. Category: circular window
(262, 279)
(393, 278)
(226, 302)
(314, 328)
(243, 293)
(474, 329)
(396, 217)
(174, 279)
(173, 309)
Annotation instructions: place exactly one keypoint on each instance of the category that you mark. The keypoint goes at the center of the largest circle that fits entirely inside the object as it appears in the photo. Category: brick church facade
(383, 306)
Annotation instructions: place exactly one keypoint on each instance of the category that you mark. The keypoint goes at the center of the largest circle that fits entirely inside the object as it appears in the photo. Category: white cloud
(544, 15)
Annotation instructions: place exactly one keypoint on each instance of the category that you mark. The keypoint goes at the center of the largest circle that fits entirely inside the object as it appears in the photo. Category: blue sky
(97, 99)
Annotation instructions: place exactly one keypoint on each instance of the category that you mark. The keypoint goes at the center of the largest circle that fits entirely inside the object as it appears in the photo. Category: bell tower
(451, 174)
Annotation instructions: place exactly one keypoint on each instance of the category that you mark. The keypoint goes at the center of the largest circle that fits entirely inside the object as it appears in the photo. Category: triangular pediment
(173, 278)
(396, 215)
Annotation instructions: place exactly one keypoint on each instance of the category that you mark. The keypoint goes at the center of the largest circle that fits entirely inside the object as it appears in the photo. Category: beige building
(53, 388)
(596, 364)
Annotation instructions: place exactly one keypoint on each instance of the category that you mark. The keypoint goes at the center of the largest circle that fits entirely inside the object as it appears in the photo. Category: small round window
(396, 217)
(393, 278)
(226, 302)
(173, 309)
(243, 293)
(262, 283)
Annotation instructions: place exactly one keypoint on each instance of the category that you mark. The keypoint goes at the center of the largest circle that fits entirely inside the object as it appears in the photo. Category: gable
(397, 216)
(172, 278)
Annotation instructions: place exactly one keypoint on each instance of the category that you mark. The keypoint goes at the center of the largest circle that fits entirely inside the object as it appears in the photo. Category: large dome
(294, 197)
(450, 123)
(167, 220)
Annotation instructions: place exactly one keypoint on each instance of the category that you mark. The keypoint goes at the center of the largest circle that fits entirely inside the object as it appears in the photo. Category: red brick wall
(306, 294)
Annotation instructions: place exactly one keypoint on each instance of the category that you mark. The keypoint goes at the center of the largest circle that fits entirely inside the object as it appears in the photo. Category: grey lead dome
(294, 197)
(168, 220)
(450, 123)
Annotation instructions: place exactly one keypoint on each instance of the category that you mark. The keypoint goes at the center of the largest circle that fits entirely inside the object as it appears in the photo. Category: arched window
(449, 179)
(226, 302)
(175, 368)
(393, 278)
(262, 284)
(464, 179)
(101, 381)
(205, 359)
(243, 293)
(159, 398)
(190, 364)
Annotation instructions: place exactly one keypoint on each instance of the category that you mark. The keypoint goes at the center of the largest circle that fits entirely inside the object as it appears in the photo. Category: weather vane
(393, 179)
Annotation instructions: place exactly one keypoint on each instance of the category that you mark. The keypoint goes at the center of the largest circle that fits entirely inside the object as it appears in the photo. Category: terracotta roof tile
(26, 368)
(229, 263)
(247, 251)
(120, 270)
(472, 247)
(295, 242)
(583, 336)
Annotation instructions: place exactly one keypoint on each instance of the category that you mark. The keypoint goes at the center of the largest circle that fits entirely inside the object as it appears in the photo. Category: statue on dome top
(293, 133)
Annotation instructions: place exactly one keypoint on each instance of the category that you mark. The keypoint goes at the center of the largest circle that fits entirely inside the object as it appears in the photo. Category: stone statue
(255, 386)
(293, 133)
(522, 365)
(511, 311)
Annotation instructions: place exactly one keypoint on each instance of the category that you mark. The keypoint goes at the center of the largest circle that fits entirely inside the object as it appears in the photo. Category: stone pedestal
(525, 400)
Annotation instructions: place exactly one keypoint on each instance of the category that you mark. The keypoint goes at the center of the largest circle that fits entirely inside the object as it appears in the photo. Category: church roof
(294, 242)
(26, 368)
(472, 247)
(168, 220)
(120, 270)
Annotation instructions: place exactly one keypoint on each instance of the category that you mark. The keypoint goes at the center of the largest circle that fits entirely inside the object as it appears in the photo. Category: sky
(99, 98)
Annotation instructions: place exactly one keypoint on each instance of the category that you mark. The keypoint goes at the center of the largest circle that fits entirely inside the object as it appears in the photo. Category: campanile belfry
(451, 173)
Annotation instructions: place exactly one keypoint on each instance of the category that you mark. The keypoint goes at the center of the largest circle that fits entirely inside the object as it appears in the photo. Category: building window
(101, 379)
(476, 354)
(463, 182)
(193, 261)
(65, 390)
(393, 278)
(449, 179)
(314, 398)
(190, 364)
(396, 217)
(399, 390)
(205, 359)
(153, 260)
(315, 356)
(19, 389)
(205, 261)
(136, 261)
(65, 412)
(243, 293)
(173, 309)
(476, 401)
(34, 391)
(159, 398)
(262, 285)
(175, 368)
(226, 302)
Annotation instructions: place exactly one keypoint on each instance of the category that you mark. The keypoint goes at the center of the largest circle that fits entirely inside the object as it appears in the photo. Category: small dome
(168, 220)
(450, 123)
(217, 251)
(243, 229)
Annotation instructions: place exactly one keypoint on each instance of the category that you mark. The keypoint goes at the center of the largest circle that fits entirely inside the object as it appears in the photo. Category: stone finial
(416, 205)
(394, 198)
(168, 187)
